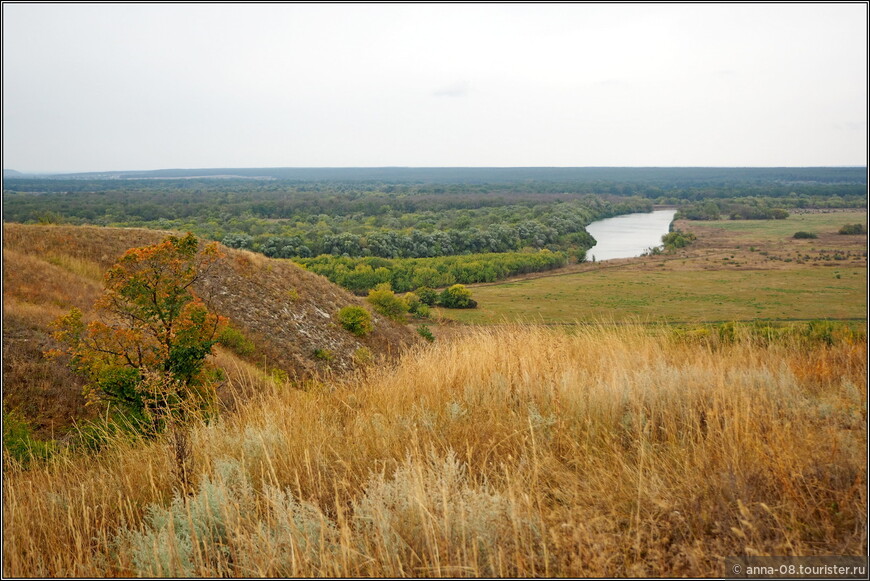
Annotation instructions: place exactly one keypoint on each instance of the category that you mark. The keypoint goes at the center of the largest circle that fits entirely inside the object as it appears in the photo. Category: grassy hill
(509, 452)
(283, 314)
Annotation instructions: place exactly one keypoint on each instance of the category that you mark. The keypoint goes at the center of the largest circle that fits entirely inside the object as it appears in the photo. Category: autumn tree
(146, 350)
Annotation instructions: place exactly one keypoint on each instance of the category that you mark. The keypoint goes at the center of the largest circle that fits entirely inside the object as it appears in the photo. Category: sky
(111, 87)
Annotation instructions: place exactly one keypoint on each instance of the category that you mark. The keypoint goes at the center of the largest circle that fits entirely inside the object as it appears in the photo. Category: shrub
(853, 229)
(457, 297)
(427, 295)
(357, 320)
(19, 442)
(363, 356)
(233, 339)
(424, 332)
(385, 302)
(416, 306)
(323, 354)
(803, 234)
(677, 239)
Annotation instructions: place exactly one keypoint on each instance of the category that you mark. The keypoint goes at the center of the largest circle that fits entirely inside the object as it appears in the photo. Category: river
(629, 235)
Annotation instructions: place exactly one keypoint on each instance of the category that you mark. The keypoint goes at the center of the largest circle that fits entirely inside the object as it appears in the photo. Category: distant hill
(684, 176)
(287, 312)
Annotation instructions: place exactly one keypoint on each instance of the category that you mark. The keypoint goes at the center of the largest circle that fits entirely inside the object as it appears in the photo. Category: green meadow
(738, 270)
(672, 296)
(819, 223)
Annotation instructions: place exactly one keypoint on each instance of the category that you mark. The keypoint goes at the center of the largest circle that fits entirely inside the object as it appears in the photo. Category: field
(510, 452)
(737, 271)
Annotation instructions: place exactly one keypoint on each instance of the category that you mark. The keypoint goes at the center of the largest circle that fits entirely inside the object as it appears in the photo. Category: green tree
(385, 301)
(457, 297)
(146, 351)
(427, 295)
(357, 320)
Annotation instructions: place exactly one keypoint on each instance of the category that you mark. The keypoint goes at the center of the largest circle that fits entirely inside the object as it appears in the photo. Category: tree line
(359, 275)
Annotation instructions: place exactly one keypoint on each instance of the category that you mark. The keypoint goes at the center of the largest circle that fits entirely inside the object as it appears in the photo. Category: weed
(235, 340)
(424, 332)
(324, 354)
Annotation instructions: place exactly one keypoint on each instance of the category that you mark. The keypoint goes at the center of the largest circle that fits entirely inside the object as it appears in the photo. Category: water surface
(629, 235)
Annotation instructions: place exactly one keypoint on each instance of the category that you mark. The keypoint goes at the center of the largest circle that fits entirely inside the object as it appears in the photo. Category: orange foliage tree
(146, 351)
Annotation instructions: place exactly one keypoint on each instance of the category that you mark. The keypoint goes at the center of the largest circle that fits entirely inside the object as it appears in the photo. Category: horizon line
(413, 167)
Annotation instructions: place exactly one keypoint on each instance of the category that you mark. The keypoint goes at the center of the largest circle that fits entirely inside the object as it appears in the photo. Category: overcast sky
(128, 87)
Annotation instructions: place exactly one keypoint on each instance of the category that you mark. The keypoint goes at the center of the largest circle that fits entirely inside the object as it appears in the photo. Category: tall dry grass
(507, 452)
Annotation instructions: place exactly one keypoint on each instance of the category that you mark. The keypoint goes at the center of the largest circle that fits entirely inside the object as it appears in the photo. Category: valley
(628, 417)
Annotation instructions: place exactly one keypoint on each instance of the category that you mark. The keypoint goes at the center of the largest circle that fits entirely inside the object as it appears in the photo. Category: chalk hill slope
(287, 312)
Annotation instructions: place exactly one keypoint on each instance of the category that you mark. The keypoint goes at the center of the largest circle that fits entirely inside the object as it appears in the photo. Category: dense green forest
(408, 274)
(400, 225)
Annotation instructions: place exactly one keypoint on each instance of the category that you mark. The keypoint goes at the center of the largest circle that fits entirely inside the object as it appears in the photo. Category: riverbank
(735, 270)
(629, 235)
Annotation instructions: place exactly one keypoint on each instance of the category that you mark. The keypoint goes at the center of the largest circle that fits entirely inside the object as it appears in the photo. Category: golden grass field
(737, 270)
(507, 452)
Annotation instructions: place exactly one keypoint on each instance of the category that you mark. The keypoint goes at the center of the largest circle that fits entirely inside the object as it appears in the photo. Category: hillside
(510, 452)
(287, 312)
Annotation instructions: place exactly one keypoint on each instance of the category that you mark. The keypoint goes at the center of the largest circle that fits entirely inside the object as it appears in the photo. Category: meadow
(509, 452)
(737, 270)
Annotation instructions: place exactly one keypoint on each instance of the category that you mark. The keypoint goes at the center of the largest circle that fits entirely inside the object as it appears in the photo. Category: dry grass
(506, 452)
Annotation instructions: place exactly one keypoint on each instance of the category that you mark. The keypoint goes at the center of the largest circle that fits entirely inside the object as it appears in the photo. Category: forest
(365, 226)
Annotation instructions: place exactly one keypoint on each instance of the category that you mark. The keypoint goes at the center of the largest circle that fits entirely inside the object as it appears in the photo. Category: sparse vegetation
(853, 229)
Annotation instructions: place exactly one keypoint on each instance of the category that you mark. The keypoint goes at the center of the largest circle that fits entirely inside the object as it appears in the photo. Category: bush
(363, 356)
(357, 320)
(677, 239)
(19, 442)
(233, 339)
(385, 302)
(416, 306)
(323, 354)
(427, 295)
(853, 229)
(457, 297)
(424, 332)
(803, 234)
